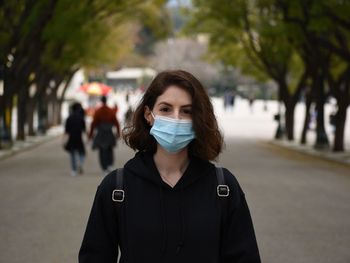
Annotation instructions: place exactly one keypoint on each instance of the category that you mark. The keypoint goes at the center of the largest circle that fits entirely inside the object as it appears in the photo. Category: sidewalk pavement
(325, 154)
(31, 142)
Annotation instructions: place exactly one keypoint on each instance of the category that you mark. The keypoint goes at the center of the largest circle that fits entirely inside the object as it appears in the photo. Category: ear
(148, 116)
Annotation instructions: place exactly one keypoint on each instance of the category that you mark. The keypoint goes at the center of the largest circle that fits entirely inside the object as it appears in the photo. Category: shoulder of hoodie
(230, 180)
(108, 183)
(236, 192)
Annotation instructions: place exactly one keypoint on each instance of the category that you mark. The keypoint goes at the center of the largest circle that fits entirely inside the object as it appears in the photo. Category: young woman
(171, 211)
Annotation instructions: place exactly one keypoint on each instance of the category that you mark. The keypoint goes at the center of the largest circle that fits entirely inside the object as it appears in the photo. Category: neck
(171, 163)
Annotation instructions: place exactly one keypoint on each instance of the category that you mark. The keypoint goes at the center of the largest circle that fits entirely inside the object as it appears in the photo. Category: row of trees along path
(43, 43)
(304, 46)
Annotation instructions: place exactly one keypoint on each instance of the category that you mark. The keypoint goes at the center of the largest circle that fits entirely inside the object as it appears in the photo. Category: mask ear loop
(154, 118)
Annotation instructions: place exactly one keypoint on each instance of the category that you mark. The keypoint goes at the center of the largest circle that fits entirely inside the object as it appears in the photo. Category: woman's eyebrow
(164, 103)
(170, 105)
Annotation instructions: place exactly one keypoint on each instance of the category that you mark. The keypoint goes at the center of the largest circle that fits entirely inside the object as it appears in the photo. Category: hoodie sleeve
(100, 242)
(239, 244)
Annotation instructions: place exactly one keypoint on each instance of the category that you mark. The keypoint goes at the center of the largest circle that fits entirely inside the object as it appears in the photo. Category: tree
(321, 33)
(250, 36)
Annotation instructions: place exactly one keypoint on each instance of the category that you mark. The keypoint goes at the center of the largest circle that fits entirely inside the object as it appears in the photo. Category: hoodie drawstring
(182, 218)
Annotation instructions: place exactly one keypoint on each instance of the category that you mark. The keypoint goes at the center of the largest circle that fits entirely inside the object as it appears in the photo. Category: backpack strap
(118, 196)
(118, 193)
(222, 189)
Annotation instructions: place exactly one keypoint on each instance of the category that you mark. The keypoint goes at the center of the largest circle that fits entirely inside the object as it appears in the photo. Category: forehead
(175, 95)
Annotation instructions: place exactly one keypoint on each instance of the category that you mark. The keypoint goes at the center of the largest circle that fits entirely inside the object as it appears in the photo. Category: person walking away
(128, 116)
(170, 203)
(74, 129)
(104, 138)
(232, 99)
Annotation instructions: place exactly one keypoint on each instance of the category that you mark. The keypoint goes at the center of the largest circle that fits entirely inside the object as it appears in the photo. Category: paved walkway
(300, 204)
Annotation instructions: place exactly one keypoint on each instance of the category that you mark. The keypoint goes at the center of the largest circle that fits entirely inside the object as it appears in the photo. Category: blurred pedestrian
(174, 204)
(251, 100)
(226, 100)
(104, 138)
(128, 116)
(232, 99)
(229, 99)
(74, 129)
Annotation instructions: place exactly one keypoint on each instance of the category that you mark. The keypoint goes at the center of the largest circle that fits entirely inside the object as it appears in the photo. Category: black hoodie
(164, 224)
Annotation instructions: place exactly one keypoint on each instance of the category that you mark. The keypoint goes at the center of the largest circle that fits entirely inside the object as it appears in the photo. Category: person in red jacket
(103, 135)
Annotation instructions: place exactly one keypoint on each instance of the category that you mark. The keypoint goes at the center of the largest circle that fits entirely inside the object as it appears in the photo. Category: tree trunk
(340, 119)
(308, 103)
(59, 112)
(279, 134)
(322, 141)
(50, 108)
(56, 112)
(341, 91)
(42, 114)
(49, 122)
(30, 115)
(6, 107)
(6, 121)
(2, 118)
(289, 117)
(21, 112)
(56, 107)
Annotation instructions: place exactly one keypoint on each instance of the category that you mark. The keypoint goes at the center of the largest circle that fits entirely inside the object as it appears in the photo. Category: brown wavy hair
(208, 142)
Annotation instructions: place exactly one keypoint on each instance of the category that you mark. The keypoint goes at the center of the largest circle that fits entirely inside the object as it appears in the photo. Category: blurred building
(130, 78)
(73, 92)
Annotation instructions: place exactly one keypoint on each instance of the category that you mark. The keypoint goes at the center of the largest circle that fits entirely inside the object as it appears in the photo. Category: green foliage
(10, 15)
(73, 34)
(156, 25)
(245, 35)
(269, 38)
(155, 17)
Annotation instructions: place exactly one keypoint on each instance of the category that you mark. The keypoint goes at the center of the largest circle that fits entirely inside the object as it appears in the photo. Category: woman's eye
(187, 111)
(165, 109)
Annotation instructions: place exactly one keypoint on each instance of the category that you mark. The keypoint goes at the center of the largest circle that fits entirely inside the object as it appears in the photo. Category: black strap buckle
(223, 190)
(118, 195)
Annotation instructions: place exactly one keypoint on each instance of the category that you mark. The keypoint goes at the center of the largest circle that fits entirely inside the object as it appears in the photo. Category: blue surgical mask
(172, 134)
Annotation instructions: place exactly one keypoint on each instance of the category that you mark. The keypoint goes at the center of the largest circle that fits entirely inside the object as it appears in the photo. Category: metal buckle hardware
(223, 190)
(118, 195)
